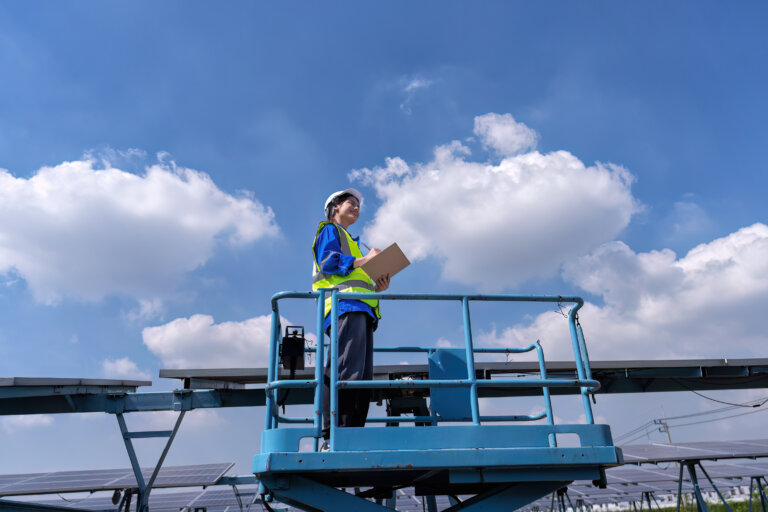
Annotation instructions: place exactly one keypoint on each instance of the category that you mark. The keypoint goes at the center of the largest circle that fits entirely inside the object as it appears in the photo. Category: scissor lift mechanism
(503, 466)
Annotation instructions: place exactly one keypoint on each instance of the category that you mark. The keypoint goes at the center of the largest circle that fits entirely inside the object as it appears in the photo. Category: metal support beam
(722, 498)
(306, 494)
(700, 503)
(763, 500)
(23, 506)
(679, 486)
(144, 488)
(507, 497)
(392, 501)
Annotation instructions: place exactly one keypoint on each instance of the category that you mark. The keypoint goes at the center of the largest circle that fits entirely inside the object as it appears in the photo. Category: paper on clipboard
(389, 261)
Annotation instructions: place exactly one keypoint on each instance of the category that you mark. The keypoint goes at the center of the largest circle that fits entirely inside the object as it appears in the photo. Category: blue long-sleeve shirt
(328, 251)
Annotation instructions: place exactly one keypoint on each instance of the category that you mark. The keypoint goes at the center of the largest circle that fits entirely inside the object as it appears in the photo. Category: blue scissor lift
(453, 451)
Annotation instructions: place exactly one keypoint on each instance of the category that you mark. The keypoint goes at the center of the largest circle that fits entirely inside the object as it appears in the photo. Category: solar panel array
(219, 499)
(626, 483)
(109, 479)
(657, 452)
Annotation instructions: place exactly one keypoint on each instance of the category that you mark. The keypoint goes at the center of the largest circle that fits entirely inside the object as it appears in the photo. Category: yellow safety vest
(356, 281)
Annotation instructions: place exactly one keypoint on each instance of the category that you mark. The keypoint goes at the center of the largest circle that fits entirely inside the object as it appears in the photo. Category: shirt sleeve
(328, 253)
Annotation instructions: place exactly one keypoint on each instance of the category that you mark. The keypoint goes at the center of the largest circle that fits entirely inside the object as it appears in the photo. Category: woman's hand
(382, 283)
(359, 262)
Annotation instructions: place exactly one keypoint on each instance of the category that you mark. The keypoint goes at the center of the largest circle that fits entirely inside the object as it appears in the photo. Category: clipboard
(389, 261)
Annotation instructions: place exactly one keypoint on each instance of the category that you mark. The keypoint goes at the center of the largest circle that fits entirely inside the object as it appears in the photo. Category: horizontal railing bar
(421, 296)
(500, 383)
(424, 419)
(294, 419)
(279, 384)
(505, 383)
(427, 419)
(479, 350)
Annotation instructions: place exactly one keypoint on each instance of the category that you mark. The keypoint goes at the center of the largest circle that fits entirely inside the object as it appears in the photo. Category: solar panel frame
(222, 499)
(699, 450)
(111, 479)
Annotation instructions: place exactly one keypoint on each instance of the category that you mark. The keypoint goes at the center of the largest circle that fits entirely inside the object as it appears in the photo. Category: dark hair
(336, 200)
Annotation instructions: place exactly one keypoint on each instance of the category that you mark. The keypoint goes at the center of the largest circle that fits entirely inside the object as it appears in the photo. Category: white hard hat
(338, 193)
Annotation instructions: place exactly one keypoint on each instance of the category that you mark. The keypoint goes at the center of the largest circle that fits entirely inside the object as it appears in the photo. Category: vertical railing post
(470, 362)
(583, 347)
(545, 389)
(334, 362)
(579, 359)
(319, 357)
(269, 420)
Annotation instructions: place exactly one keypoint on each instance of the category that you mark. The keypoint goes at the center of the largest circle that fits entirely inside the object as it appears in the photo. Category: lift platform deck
(451, 449)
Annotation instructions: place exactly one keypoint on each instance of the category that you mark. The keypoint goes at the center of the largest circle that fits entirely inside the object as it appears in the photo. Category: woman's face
(347, 211)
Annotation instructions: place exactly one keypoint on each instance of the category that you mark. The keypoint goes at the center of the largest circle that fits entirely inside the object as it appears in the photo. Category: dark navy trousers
(355, 363)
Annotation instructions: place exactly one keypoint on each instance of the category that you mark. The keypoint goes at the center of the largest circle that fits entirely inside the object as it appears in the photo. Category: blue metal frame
(755, 480)
(145, 487)
(585, 383)
(502, 464)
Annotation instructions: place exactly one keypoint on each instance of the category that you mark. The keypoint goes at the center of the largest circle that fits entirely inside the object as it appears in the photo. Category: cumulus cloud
(123, 368)
(78, 230)
(503, 134)
(13, 424)
(199, 342)
(494, 226)
(708, 303)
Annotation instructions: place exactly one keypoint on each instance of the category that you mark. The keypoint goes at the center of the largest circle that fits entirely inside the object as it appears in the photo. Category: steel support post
(715, 487)
(763, 499)
(146, 487)
(700, 503)
(656, 502)
(679, 486)
(391, 502)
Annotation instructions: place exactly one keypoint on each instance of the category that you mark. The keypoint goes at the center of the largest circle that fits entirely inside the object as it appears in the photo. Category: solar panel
(110, 479)
(57, 381)
(656, 452)
(213, 499)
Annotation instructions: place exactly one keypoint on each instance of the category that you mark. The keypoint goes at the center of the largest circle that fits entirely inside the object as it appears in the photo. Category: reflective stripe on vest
(356, 281)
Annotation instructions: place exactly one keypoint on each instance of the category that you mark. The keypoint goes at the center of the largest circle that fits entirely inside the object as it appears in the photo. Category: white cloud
(123, 368)
(74, 230)
(494, 226)
(12, 424)
(503, 134)
(709, 303)
(146, 310)
(409, 89)
(417, 83)
(198, 342)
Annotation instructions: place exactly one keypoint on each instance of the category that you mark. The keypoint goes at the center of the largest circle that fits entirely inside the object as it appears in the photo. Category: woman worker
(337, 265)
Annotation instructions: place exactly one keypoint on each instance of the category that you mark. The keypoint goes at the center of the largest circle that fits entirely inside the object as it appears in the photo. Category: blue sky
(168, 161)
